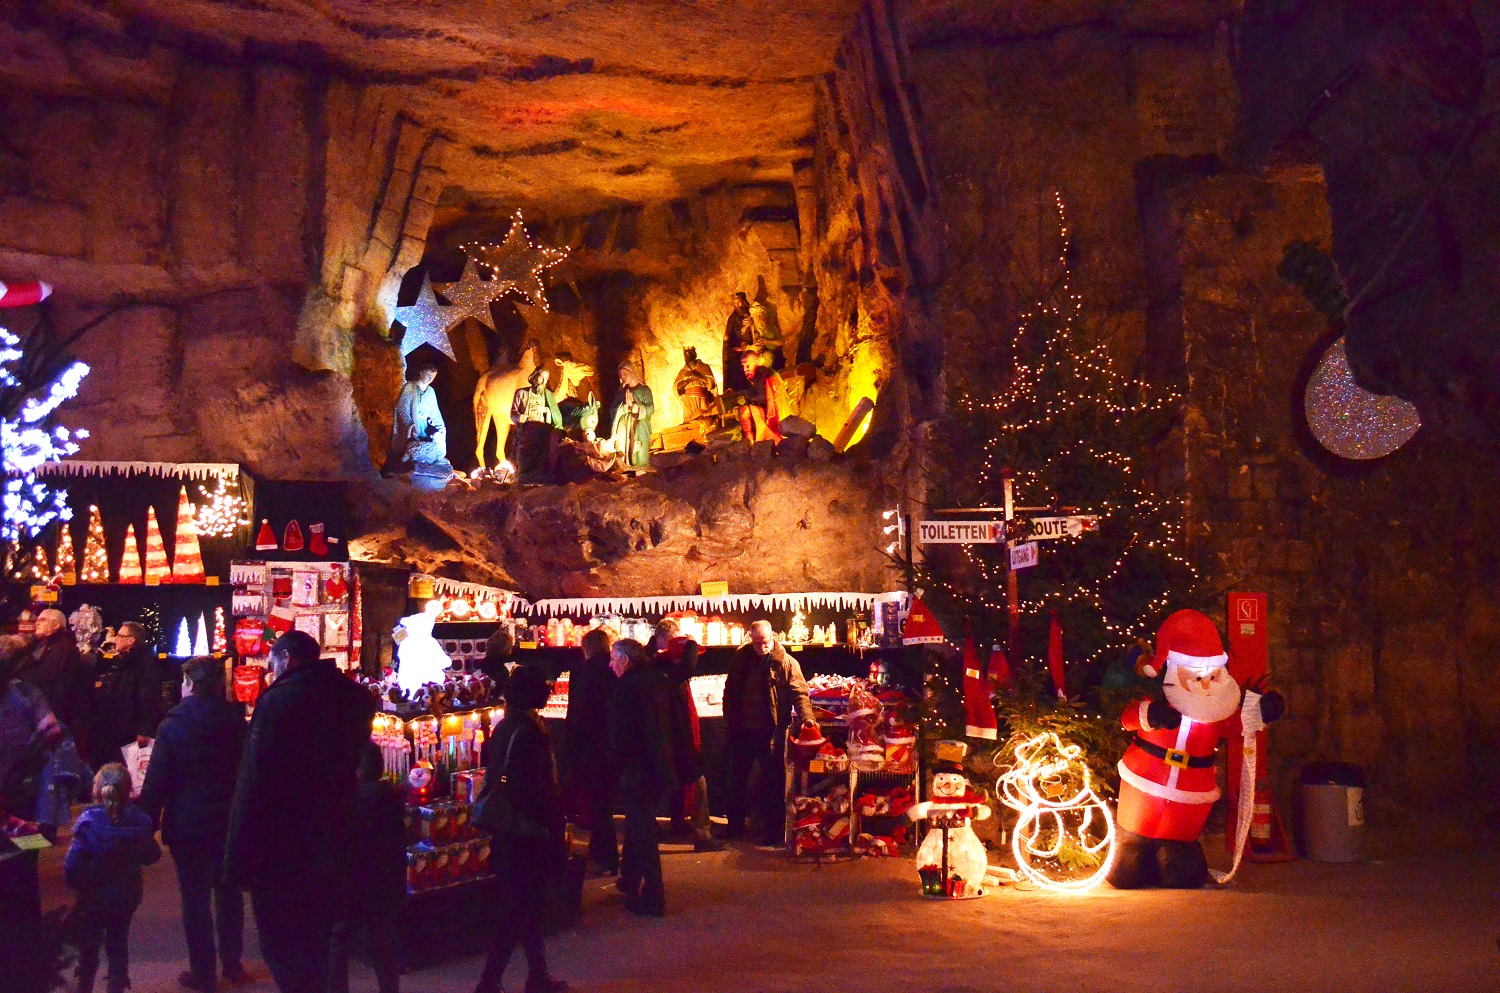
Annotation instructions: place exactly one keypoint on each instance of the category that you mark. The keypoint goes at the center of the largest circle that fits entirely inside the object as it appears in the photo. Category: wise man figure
(534, 412)
(739, 332)
(760, 417)
(632, 423)
(698, 388)
(419, 437)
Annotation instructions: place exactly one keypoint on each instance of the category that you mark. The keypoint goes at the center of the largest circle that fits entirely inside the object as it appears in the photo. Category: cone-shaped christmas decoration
(130, 559)
(41, 569)
(184, 644)
(921, 627)
(95, 568)
(265, 539)
(200, 643)
(65, 572)
(221, 633)
(156, 553)
(187, 558)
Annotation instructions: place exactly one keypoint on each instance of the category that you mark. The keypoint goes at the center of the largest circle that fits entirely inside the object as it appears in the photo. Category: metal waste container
(1333, 812)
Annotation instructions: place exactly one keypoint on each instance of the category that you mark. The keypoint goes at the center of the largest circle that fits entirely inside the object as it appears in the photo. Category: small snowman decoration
(951, 860)
(420, 660)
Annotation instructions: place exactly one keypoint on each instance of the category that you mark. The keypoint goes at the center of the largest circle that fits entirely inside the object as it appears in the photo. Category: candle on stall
(714, 632)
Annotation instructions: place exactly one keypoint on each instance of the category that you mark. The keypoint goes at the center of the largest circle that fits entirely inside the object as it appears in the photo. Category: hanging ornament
(157, 567)
(221, 633)
(517, 264)
(1349, 421)
(200, 643)
(222, 512)
(265, 540)
(471, 297)
(65, 572)
(187, 556)
(426, 323)
(95, 567)
(183, 648)
(130, 559)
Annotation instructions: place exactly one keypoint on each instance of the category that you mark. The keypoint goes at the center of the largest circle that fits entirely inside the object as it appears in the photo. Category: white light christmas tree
(27, 505)
(200, 643)
(184, 644)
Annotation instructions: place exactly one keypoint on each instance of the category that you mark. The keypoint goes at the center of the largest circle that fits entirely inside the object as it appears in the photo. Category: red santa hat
(1187, 638)
(921, 627)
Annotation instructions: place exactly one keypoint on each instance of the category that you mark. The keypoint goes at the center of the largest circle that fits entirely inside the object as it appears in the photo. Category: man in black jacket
(129, 702)
(641, 737)
(591, 767)
(763, 693)
(55, 666)
(295, 809)
(189, 787)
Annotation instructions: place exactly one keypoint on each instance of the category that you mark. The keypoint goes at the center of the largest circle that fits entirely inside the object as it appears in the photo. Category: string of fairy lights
(1070, 393)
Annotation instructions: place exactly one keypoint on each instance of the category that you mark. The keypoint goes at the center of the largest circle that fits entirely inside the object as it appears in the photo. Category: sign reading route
(960, 532)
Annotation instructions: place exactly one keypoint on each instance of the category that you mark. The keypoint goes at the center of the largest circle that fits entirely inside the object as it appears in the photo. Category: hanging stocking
(317, 543)
(999, 669)
(292, 541)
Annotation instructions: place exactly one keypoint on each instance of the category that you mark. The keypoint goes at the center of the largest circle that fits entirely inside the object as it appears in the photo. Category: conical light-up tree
(187, 557)
(95, 567)
(157, 567)
(65, 572)
(130, 559)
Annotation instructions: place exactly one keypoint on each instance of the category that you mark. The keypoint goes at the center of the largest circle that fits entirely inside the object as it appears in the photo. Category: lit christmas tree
(221, 633)
(200, 643)
(1075, 432)
(65, 572)
(187, 558)
(33, 385)
(95, 568)
(222, 511)
(151, 621)
(40, 570)
(183, 647)
(157, 566)
(130, 559)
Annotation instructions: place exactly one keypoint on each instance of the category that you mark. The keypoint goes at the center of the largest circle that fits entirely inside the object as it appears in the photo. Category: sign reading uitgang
(960, 532)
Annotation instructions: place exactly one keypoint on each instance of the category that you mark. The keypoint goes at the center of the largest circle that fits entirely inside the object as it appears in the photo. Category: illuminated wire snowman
(1064, 838)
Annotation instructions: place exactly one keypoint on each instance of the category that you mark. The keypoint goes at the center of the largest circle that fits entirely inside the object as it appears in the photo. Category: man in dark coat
(378, 882)
(189, 788)
(678, 658)
(295, 809)
(640, 735)
(763, 693)
(129, 703)
(737, 336)
(28, 734)
(591, 767)
(55, 667)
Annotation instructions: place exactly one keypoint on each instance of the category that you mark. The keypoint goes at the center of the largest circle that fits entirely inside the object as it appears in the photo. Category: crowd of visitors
(280, 808)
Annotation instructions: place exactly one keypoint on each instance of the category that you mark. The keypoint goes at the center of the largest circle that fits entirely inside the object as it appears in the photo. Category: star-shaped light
(518, 263)
(470, 297)
(426, 323)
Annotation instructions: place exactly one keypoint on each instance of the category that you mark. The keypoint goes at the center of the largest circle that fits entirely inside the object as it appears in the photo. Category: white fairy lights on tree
(26, 443)
(222, 511)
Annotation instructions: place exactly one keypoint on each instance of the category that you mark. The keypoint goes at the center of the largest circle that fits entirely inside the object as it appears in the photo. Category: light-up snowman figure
(1064, 838)
(420, 660)
(951, 860)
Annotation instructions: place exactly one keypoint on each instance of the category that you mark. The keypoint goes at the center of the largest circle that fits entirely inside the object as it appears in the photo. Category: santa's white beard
(1207, 704)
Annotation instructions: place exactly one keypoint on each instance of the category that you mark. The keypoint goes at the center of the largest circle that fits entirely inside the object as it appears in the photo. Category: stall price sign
(1024, 555)
(960, 532)
(1047, 528)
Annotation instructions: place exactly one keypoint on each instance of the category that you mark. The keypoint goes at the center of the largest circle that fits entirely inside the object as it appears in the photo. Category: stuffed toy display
(951, 859)
(1167, 780)
(420, 659)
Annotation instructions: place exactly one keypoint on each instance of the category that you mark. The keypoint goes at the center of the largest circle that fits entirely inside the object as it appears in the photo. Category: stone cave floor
(750, 920)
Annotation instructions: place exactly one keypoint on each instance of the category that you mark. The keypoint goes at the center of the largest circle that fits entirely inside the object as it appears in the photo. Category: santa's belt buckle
(1176, 758)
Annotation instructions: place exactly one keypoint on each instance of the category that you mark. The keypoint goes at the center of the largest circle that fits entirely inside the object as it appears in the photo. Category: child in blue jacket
(111, 841)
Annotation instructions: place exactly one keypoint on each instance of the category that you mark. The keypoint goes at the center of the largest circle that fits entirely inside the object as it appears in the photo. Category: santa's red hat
(921, 627)
(1187, 638)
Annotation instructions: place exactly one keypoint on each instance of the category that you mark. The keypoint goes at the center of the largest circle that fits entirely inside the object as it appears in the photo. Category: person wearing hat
(55, 667)
(534, 412)
(1167, 779)
(760, 417)
(738, 332)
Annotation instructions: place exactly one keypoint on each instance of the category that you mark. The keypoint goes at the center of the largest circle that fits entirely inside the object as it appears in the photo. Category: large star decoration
(426, 323)
(518, 263)
(470, 297)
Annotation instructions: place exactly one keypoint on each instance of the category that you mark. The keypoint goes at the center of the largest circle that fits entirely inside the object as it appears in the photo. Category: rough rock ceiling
(560, 103)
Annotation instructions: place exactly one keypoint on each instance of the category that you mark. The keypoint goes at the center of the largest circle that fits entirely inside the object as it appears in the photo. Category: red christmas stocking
(292, 541)
(979, 713)
(999, 668)
(265, 541)
(318, 542)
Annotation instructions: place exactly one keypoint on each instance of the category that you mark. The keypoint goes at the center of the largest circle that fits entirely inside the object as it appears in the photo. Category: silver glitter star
(426, 323)
(518, 263)
(1352, 422)
(470, 297)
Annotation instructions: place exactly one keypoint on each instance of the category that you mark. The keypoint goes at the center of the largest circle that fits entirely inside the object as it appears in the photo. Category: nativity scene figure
(419, 437)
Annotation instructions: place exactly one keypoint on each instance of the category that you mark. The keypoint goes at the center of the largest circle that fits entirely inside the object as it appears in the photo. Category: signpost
(1024, 555)
(960, 532)
(1046, 528)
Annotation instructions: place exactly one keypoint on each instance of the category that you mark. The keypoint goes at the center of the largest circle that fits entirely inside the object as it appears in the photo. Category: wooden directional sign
(960, 532)
(1046, 528)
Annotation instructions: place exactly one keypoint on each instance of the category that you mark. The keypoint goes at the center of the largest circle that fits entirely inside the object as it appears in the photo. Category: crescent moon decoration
(1349, 421)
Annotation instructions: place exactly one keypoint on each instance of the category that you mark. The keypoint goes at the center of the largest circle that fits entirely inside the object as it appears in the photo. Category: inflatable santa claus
(1167, 779)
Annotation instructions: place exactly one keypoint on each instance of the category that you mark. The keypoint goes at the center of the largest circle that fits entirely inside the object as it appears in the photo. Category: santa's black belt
(1173, 756)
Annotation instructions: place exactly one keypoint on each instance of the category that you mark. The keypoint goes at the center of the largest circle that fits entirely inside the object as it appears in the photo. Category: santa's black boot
(1183, 865)
(1134, 867)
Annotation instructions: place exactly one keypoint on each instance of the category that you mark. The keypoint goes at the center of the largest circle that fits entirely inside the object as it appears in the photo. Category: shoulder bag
(496, 810)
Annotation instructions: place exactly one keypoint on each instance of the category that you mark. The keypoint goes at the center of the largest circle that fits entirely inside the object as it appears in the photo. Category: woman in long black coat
(525, 859)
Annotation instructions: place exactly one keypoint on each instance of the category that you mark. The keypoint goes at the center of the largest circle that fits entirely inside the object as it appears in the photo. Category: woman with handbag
(520, 809)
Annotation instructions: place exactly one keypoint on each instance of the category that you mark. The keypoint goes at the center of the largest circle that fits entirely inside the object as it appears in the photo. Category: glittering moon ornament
(517, 263)
(470, 297)
(1352, 422)
(426, 323)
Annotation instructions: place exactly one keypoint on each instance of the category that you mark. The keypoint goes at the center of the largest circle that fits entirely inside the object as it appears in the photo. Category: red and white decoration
(24, 294)
(979, 712)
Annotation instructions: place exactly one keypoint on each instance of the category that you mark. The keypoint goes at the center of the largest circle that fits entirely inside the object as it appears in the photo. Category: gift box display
(272, 598)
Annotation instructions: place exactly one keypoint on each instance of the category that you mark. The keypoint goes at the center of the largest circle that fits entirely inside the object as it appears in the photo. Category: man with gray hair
(763, 693)
(129, 697)
(55, 667)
